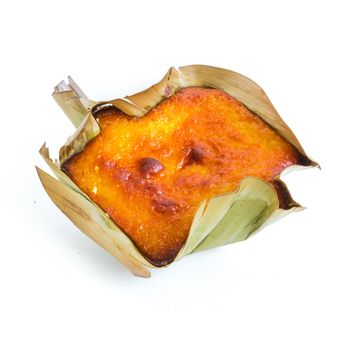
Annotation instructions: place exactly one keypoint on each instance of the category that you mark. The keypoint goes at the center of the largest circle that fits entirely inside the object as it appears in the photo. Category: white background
(285, 288)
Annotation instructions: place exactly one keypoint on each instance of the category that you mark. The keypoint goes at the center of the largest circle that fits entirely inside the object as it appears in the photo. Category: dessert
(194, 145)
(191, 163)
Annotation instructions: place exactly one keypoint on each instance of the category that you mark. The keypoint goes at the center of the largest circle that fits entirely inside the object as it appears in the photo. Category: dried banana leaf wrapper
(221, 220)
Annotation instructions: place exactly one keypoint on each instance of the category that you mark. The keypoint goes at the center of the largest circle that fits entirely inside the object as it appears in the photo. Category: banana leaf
(221, 220)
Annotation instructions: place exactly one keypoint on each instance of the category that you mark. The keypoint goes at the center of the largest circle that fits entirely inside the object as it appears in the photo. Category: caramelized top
(150, 174)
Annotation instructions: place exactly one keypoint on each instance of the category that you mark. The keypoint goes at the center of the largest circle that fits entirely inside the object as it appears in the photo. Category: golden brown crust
(150, 174)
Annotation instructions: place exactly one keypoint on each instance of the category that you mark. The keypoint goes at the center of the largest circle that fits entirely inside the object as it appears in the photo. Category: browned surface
(150, 174)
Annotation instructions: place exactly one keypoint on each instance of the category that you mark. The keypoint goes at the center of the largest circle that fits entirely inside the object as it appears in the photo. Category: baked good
(194, 145)
(191, 163)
